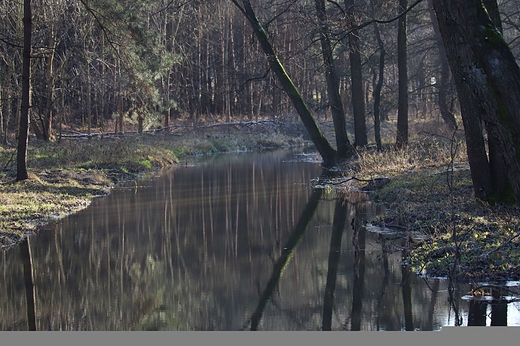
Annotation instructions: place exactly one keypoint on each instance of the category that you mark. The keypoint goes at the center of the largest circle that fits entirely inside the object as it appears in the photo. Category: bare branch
(10, 43)
(280, 14)
(169, 5)
(379, 21)
(337, 5)
(105, 30)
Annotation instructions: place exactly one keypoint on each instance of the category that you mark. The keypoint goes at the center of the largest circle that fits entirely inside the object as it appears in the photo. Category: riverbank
(65, 177)
(426, 188)
(429, 199)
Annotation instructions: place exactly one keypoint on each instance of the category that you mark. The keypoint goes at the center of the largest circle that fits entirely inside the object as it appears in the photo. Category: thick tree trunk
(356, 73)
(463, 66)
(338, 113)
(496, 161)
(488, 84)
(402, 66)
(326, 151)
(23, 136)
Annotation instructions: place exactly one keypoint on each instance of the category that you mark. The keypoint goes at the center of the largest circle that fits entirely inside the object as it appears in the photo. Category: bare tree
(336, 105)
(23, 136)
(356, 72)
(402, 113)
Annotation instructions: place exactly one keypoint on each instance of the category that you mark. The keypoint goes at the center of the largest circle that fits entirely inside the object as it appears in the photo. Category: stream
(233, 242)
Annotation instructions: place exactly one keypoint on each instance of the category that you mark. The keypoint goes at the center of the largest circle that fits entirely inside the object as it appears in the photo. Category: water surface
(235, 242)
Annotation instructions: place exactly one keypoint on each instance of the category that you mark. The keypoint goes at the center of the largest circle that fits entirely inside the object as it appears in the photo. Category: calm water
(235, 242)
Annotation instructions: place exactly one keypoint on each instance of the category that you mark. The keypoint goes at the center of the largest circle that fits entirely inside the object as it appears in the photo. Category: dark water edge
(236, 242)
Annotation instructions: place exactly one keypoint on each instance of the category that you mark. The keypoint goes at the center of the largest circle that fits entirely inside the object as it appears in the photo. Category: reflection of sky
(513, 312)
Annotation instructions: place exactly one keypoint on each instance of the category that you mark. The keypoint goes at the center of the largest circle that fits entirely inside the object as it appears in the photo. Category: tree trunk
(102, 98)
(494, 14)
(463, 66)
(443, 85)
(356, 72)
(120, 105)
(488, 84)
(88, 97)
(496, 161)
(377, 89)
(326, 151)
(336, 105)
(3, 118)
(49, 76)
(23, 136)
(140, 121)
(402, 66)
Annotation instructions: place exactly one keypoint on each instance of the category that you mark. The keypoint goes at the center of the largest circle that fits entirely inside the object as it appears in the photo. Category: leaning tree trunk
(488, 84)
(23, 136)
(326, 151)
(494, 14)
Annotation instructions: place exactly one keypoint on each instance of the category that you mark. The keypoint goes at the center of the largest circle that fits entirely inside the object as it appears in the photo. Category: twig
(350, 179)
(395, 226)
(242, 123)
(9, 161)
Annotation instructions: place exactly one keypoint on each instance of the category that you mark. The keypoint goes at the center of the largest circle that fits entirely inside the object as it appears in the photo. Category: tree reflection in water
(338, 226)
(196, 247)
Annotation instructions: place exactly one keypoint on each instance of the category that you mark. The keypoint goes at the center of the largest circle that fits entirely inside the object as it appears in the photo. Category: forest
(105, 65)
(95, 68)
(416, 102)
